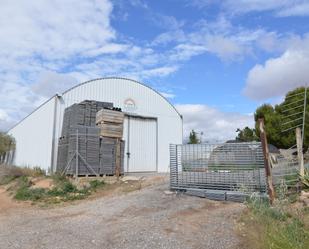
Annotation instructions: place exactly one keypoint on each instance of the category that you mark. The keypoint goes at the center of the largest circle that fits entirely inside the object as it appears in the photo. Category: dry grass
(9, 173)
(282, 226)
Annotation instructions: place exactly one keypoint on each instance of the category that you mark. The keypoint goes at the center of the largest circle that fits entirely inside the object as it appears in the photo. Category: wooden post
(299, 142)
(269, 179)
(118, 162)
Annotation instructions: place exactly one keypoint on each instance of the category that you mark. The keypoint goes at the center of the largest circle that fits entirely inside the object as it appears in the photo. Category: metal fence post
(117, 157)
(299, 142)
(269, 180)
(77, 155)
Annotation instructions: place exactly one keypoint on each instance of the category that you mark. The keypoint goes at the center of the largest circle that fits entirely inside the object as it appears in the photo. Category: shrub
(68, 187)
(94, 184)
(305, 179)
(26, 193)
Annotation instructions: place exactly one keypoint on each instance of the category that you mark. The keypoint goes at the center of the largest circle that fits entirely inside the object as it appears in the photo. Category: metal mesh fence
(228, 171)
(286, 172)
(218, 171)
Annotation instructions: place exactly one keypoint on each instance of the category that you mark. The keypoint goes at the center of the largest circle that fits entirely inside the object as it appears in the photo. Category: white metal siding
(33, 137)
(141, 145)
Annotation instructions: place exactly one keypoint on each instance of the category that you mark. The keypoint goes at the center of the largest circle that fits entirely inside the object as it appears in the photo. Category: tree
(7, 143)
(246, 135)
(272, 124)
(193, 138)
(275, 117)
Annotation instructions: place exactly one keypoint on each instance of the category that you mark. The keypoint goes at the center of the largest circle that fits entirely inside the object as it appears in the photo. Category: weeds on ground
(63, 190)
(279, 226)
(10, 173)
(305, 179)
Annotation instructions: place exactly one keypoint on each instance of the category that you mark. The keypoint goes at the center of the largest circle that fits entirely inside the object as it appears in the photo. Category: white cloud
(280, 8)
(53, 29)
(168, 95)
(281, 74)
(16, 102)
(243, 6)
(301, 9)
(41, 39)
(216, 125)
(50, 83)
(170, 36)
(221, 38)
(160, 71)
(225, 48)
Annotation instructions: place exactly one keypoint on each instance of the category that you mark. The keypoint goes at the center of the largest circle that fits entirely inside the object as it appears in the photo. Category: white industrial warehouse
(151, 123)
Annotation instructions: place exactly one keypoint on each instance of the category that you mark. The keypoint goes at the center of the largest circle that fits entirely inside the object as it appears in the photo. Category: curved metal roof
(89, 81)
(123, 78)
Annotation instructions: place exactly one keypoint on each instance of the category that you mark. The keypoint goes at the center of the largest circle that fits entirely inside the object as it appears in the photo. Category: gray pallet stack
(108, 156)
(88, 148)
(98, 152)
(63, 149)
(83, 113)
(81, 149)
(93, 148)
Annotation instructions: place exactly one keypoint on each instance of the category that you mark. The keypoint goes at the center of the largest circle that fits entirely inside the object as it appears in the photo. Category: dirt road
(147, 218)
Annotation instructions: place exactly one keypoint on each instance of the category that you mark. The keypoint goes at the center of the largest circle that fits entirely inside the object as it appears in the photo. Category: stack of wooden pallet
(110, 123)
(112, 150)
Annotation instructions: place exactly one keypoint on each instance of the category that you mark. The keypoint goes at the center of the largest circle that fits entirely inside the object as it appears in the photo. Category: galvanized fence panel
(285, 173)
(218, 171)
(228, 171)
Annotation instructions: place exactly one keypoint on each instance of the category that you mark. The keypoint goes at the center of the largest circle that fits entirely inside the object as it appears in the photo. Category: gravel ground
(147, 218)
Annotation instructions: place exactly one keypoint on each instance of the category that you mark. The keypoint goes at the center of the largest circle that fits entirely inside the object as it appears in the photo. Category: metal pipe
(291, 121)
(301, 100)
(287, 110)
(304, 115)
(77, 155)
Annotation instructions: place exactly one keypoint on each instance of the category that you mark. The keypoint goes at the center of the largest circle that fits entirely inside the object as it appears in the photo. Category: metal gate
(228, 171)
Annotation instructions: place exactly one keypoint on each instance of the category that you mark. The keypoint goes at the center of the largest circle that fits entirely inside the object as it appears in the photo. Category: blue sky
(215, 60)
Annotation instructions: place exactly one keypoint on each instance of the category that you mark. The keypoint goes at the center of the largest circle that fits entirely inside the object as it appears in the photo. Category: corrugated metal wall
(117, 90)
(33, 137)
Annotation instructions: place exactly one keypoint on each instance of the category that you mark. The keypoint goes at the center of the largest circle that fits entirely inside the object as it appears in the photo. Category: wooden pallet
(112, 116)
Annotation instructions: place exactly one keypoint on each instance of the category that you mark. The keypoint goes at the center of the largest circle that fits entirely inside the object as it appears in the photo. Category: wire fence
(226, 171)
(286, 172)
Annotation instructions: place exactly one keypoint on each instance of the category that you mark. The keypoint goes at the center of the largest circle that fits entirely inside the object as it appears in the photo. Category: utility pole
(269, 179)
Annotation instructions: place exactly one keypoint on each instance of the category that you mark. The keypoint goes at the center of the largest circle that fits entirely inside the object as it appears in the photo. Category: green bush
(25, 193)
(63, 190)
(68, 187)
(94, 184)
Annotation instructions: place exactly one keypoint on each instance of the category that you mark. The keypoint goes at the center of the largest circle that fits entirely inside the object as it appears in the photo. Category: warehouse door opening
(140, 135)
